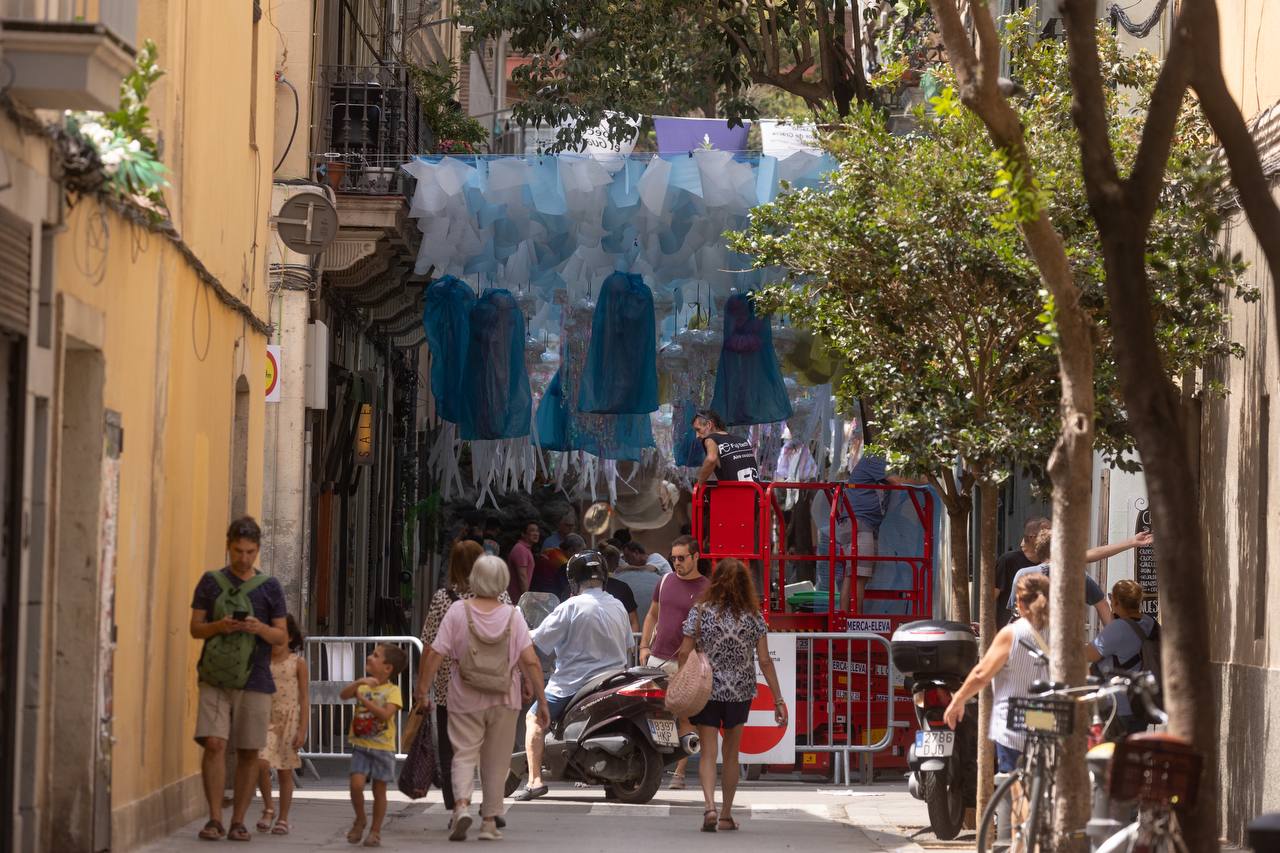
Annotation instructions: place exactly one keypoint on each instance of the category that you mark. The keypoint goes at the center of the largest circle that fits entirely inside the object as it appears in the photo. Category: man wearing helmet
(589, 635)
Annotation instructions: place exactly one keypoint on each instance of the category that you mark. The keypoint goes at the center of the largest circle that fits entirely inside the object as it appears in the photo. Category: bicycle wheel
(1004, 791)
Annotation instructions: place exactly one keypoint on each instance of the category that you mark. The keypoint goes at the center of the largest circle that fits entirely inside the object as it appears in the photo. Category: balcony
(370, 124)
(68, 54)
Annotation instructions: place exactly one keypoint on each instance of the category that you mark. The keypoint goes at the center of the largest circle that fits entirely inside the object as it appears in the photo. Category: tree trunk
(958, 513)
(987, 498)
(1156, 417)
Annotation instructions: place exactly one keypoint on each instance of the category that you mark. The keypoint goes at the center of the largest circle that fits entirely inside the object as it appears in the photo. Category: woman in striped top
(1010, 668)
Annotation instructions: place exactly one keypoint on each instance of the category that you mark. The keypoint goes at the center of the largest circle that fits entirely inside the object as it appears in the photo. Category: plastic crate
(1039, 715)
(1157, 770)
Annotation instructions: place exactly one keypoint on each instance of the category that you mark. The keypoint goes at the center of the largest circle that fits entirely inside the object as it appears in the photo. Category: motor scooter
(937, 656)
(615, 733)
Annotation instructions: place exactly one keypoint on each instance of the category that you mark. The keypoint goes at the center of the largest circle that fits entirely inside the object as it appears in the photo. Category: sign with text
(763, 740)
(782, 138)
(1144, 562)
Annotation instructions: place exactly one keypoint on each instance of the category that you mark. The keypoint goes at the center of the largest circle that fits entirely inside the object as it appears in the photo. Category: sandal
(709, 820)
(374, 840)
(238, 832)
(727, 824)
(212, 831)
(356, 831)
(264, 822)
(281, 827)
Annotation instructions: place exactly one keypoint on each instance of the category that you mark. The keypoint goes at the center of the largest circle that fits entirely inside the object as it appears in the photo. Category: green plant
(121, 140)
(437, 88)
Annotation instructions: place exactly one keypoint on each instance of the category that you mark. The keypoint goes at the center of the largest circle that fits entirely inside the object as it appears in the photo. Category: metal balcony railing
(118, 16)
(370, 123)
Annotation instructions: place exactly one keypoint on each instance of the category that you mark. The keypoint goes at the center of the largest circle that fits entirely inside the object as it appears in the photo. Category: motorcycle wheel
(946, 808)
(640, 789)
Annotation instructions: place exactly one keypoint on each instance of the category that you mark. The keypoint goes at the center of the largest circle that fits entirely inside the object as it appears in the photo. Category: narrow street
(775, 816)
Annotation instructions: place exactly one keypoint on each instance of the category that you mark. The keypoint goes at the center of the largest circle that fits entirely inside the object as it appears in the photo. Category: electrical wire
(297, 112)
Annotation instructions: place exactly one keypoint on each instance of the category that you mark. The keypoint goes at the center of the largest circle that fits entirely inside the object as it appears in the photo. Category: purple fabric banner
(681, 135)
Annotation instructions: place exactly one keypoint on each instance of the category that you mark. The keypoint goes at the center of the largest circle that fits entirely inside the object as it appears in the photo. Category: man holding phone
(239, 613)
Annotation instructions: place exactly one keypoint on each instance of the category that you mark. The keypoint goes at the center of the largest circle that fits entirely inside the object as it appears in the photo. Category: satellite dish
(596, 519)
(307, 223)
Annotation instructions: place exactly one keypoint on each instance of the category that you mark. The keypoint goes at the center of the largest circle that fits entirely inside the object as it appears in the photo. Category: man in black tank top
(729, 457)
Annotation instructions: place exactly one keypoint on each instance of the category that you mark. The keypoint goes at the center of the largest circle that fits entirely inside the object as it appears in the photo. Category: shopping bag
(419, 770)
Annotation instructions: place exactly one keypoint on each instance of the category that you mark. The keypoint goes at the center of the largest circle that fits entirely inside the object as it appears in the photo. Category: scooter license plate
(664, 732)
(935, 744)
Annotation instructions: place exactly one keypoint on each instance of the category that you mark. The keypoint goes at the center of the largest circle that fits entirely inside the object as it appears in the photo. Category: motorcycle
(615, 733)
(938, 655)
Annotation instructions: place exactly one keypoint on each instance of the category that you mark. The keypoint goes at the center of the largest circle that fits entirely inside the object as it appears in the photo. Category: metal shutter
(15, 272)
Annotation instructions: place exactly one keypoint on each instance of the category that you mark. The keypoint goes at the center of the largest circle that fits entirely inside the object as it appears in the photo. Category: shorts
(239, 717)
(1007, 758)
(556, 706)
(868, 546)
(378, 765)
(723, 714)
(668, 665)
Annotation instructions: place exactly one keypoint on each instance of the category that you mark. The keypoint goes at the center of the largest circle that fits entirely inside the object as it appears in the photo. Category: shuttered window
(15, 272)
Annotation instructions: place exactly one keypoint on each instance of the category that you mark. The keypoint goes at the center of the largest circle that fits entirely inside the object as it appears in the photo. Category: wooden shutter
(15, 272)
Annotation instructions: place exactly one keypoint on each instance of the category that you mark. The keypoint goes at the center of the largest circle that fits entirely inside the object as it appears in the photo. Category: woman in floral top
(463, 556)
(727, 627)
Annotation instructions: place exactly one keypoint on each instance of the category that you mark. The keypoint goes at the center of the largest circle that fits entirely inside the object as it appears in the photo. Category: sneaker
(489, 831)
(461, 823)
(677, 783)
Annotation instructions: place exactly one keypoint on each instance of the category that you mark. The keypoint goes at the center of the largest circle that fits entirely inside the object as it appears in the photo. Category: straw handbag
(690, 688)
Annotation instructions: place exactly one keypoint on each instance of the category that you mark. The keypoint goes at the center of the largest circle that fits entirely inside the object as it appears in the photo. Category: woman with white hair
(487, 640)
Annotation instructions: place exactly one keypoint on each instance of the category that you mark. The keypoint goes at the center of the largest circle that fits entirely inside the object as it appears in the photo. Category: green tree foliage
(437, 90)
(908, 263)
(638, 57)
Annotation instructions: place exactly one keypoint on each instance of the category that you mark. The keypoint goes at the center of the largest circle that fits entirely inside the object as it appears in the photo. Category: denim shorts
(1007, 758)
(378, 765)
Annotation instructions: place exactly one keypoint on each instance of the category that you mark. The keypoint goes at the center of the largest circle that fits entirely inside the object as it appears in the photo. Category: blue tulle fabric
(447, 320)
(749, 386)
(621, 373)
(685, 447)
(553, 416)
(496, 399)
(622, 437)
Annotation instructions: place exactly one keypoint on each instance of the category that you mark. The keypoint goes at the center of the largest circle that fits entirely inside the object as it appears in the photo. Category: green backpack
(227, 658)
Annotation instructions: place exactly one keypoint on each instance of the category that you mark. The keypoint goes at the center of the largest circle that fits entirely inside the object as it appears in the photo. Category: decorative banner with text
(763, 740)
(595, 140)
(781, 139)
(679, 135)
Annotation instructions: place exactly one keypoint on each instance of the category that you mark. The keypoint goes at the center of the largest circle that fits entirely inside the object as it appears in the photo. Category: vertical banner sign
(763, 740)
(273, 373)
(364, 435)
(1144, 562)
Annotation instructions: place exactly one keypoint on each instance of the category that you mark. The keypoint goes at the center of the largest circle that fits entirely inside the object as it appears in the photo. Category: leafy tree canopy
(588, 58)
(909, 264)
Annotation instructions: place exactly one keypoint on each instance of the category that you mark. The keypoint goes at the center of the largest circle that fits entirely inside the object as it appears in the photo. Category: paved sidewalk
(775, 816)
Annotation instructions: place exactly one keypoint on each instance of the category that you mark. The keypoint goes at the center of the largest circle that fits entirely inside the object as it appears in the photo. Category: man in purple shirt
(663, 631)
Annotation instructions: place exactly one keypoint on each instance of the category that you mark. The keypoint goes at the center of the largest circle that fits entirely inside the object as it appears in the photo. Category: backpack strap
(221, 579)
(1142, 638)
(254, 582)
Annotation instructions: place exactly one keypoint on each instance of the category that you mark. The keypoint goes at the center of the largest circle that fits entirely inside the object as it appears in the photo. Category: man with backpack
(239, 613)
(1129, 644)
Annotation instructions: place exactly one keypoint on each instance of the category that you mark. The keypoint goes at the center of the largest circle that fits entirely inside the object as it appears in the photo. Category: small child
(287, 731)
(373, 736)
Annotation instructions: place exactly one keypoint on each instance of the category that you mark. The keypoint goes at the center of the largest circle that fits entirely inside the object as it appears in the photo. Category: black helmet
(585, 566)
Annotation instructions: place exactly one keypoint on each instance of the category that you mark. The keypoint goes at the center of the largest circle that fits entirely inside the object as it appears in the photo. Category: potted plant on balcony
(454, 131)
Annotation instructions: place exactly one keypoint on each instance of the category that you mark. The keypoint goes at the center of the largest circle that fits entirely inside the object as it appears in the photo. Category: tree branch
(1147, 177)
(1089, 110)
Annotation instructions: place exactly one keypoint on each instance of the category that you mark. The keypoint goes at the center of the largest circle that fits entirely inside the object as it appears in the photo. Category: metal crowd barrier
(845, 680)
(332, 664)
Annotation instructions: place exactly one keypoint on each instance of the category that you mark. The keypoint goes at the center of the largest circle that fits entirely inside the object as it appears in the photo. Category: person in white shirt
(589, 635)
(635, 555)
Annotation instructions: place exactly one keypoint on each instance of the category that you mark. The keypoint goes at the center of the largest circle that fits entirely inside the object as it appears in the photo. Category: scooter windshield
(536, 606)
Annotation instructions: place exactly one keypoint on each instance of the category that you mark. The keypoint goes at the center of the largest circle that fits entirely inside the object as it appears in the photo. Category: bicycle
(1046, 717)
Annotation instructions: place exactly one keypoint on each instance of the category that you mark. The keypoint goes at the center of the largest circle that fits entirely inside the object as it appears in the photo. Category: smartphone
(240, 615)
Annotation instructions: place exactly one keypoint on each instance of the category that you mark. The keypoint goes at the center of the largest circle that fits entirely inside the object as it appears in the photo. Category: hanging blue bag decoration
(685, 447)
(497, 401)
(553, 416)
(446, 318)
(621, 373)
(749, 386)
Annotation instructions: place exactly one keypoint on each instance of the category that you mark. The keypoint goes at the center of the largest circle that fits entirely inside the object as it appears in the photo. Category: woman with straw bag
(727, 628)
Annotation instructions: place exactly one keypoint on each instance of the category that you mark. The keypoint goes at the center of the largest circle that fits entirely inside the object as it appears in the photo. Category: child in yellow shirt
(373, 736)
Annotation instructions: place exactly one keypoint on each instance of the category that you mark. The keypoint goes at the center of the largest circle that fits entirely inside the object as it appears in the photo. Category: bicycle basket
(1157, 771)
(1040, 715)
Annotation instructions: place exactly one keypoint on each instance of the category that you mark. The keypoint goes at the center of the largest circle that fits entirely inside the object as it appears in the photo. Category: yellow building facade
(134, 417)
